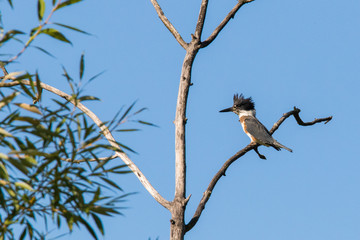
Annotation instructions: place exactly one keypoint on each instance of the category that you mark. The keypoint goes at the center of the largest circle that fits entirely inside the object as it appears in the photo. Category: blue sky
(282, 53)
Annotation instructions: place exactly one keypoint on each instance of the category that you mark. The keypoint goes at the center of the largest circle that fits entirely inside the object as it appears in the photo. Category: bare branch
(230, 15)
(201, 19)
(295, 113)
(168, 24)
(251, 146)
(107, 135)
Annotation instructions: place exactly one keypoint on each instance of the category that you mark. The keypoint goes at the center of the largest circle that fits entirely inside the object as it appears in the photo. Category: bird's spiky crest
(246, 103)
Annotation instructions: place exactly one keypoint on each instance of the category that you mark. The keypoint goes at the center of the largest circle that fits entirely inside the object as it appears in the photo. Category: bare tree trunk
(177, 229)
(177, 222)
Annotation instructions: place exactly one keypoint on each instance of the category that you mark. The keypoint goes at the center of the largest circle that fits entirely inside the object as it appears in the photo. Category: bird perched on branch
(257, 132)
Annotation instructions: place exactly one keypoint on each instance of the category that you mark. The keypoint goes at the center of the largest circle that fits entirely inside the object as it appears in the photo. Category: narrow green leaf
(10, 2)
(126, 147)
(128, 130)
(95, 76)
(30, 160)
(24, 185)
(44, 51)
(78, 127)
(4, 156)
(19, 165)
(139, 111)
(66, 74)
(126, 112)
(82, 65)
(23, 234)
(71, 136)
(72, 28)
(6, 100)
(38, 87)
(33, 31)
(98, 223)
(3, 172)
(55, 34)
(28, 107)
(66, 3)
(27, 119)
(5, 133)
(88, 227)
(41, 9)
(9, 35)
(147, 123)
(88, 98)
(108, 181)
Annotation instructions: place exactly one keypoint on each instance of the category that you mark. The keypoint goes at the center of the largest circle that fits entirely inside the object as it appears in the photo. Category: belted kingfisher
(245, 108)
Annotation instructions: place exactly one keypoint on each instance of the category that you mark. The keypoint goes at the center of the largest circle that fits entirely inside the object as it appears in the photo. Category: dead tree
(177, 206)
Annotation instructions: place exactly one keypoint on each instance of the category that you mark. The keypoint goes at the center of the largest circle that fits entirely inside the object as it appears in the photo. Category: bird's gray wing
(258, 131)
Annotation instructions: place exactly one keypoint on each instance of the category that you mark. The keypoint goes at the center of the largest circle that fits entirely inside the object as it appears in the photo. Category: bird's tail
(279, 145)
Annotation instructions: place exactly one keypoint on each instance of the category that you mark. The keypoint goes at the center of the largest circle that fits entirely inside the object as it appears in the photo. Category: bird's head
(241, 105)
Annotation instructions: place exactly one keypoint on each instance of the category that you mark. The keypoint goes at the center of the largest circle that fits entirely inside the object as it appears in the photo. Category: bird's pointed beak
(227, 109)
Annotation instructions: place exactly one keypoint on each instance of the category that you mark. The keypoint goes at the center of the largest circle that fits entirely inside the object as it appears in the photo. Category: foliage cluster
(51, 171)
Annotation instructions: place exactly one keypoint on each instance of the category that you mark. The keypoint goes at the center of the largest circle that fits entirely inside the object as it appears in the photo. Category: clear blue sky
(282, 53)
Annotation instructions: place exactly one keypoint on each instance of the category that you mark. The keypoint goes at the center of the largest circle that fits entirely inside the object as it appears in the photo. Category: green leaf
(98, 223)
(108, 181)
(9, 35)
(19, 165)
(3, 172)
(88, 98)
(30, 120)
(41, 9)
(38, 87)
(88, 227)
(72, 28)
(147, 123)
(126, 113)
(4, 156)
(44, 51)
(6, 100)
(23, 234)
(128, 130)
(10, 2)
(29, 107)
(24, 185)
(82, 65)
(95, 76)
(30, 160)
(66, 3)
(5, 133)
(55, 34)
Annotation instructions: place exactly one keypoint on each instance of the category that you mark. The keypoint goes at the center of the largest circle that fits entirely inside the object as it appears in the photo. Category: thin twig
(230, 15)
(4, 70)
(251, 146)
(32, 37)
(145, 182)
(168, 24)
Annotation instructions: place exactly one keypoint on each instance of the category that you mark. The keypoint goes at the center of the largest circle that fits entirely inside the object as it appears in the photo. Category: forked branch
(251, 146)
(230, 15)
(168, 24)
(145, 182)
